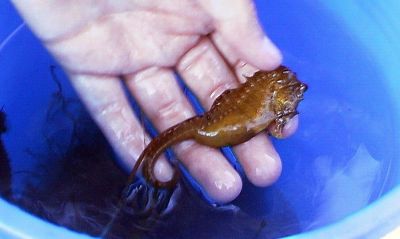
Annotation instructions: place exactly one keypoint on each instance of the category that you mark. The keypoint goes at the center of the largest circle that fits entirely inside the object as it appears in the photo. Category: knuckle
(171, 112)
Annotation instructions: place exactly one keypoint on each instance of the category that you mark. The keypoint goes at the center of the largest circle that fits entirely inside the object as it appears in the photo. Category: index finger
(239, 35)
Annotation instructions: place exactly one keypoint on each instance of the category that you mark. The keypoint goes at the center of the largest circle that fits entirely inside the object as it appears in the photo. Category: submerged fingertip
(163, 171)
(225, 187)
(264, 167)
(267, 173)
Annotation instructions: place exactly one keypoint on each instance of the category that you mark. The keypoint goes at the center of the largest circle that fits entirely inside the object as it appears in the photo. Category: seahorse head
(286, 93)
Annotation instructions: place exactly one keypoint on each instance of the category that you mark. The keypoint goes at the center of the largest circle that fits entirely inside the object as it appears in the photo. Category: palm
(119, 39)
(143, 42)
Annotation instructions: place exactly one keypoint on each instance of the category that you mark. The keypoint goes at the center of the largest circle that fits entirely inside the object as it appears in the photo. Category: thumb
(239, 35)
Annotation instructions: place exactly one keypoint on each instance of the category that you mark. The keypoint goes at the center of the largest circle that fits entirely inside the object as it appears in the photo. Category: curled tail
(182, 131)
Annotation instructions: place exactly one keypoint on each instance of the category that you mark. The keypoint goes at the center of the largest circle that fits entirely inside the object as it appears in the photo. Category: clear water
(341, 159)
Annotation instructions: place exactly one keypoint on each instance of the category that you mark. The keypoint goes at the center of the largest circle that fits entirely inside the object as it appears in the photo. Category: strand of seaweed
(5, 169)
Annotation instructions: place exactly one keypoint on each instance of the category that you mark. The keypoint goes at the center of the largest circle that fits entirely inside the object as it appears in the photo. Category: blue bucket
(340, 170)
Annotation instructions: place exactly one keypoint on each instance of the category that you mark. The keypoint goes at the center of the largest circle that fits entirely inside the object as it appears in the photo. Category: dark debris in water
(5, 170)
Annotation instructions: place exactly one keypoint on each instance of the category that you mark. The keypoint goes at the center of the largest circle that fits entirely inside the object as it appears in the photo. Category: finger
(206, 72)
(239, 35)
(164, 103)
(105, 99)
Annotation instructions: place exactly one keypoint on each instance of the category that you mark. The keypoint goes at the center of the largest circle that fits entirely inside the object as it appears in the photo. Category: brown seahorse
(267, 100)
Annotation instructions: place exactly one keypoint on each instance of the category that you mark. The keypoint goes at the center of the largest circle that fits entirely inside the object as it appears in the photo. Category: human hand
(208, 42)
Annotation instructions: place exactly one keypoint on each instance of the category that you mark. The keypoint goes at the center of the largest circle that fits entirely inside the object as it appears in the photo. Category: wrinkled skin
(267, 100)
(211, 44)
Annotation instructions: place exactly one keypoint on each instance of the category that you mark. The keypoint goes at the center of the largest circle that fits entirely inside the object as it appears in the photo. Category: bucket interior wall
(344, 156)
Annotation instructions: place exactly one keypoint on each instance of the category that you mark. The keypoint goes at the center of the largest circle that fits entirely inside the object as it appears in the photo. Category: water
(341, 159)
(343, 154)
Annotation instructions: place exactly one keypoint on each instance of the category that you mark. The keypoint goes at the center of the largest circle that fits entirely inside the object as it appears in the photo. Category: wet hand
(103, 44)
